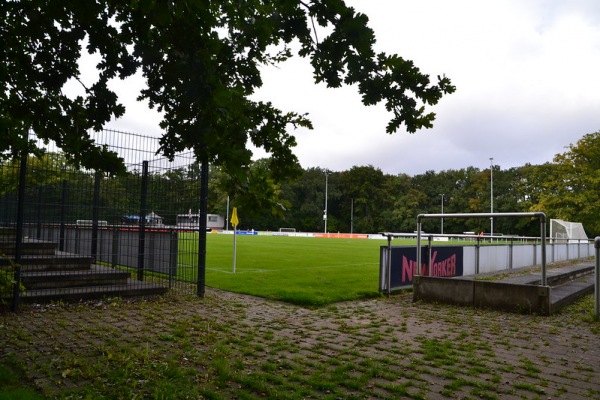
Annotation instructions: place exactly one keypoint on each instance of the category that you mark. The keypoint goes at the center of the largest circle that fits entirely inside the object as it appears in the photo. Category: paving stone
(384, 342)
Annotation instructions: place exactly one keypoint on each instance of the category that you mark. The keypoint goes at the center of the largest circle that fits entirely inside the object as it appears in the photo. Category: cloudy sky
(527, 75)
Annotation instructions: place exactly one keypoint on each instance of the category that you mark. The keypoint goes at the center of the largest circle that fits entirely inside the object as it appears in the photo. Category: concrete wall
(118, 245)
(483, 294)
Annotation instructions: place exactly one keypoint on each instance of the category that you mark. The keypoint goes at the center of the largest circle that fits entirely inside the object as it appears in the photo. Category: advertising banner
(446, 261)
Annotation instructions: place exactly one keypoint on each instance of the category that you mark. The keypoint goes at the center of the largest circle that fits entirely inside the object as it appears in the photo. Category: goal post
(289, 230)
(567, 232)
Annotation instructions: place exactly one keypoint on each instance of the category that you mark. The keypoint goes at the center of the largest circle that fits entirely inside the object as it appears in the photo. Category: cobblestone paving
(234, 346)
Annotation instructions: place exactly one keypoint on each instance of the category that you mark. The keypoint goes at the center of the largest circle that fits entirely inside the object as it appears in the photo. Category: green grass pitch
(299, 270)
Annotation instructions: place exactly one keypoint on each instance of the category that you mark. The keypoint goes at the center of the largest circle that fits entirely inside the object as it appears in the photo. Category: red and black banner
(446, 261)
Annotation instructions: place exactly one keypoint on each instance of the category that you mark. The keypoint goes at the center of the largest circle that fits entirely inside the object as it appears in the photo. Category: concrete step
(29, 247)
(567, 283)
(97, 275)
(567, 293)
(554, 276)
(131, 289)
(7, 233)
(58, 262)
(51, 275)
(512, 290)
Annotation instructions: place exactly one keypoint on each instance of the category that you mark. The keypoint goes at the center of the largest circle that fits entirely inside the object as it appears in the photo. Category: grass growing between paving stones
(230, 347)
(13, 383)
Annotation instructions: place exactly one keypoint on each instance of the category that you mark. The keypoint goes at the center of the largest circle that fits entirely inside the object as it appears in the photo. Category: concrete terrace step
(29, 247)
(97, 275)
(512, 290)
(567, 293)
(58, 262)
(130, 289)
(568, 283)
(554, 276)
(7, 233)
(51, 275)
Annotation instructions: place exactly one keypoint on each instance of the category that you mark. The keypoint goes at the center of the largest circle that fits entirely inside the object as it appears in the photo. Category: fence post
(511, 252)
(429, 255)
(597, 280)
(142, 226)
(63, 202)
(116, 238)
(477, 254)
(19, 233)
(202, 227)
(417, 271)
(95, 215)
(173, 256)
(38, 225)
(543, 236)
(388, 272)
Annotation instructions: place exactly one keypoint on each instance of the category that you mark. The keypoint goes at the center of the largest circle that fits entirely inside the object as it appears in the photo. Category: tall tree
(369, 187)
(307, 200)
(201, 60)
(572, 191)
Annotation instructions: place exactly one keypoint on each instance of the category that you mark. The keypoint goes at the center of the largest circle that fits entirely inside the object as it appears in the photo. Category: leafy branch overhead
(202, 62)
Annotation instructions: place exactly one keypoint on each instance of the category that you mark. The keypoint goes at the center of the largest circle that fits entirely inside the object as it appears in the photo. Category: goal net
(287, 229)
(567, 232)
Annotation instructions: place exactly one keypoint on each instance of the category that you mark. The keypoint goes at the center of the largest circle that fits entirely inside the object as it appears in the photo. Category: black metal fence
(69, 233)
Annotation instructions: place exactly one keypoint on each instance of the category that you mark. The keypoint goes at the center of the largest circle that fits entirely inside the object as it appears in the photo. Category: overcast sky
(527, 75)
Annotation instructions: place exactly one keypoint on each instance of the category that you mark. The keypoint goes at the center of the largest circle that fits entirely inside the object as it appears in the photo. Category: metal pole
(202, 228)
(142, 226)
(19, 232)
(95, 214)
(388, 275)
(491, 197)
(429, 239)
(442, 219)
(326, 188)
(597, 280)
(227, 219)
(543, 234)
(510, 253)
(351, 216)
(38, 232)
(234, 247)
(418, 266)
(63, 203)
(477, 254)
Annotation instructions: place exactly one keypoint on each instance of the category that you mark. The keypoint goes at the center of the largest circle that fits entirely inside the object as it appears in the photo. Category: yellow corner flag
(234, 218)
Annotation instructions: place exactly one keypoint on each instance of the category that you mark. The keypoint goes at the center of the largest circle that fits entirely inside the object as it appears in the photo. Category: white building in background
(189, 220)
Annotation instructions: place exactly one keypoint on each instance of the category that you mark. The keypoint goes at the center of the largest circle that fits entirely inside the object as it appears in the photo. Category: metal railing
(540, 215)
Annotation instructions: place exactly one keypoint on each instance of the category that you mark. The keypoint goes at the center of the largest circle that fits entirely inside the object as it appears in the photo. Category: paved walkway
(382, 348)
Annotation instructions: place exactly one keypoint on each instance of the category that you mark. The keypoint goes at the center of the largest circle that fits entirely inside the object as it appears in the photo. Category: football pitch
(300, 270)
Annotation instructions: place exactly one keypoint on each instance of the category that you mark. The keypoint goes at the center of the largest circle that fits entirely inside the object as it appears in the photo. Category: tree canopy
(572, 189)
(201, 60)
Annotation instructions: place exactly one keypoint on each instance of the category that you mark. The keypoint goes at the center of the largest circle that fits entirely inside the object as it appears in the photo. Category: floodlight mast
(326, 188)
(442, 219)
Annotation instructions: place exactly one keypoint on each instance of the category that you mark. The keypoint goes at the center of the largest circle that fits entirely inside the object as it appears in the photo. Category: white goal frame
(567, 232)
